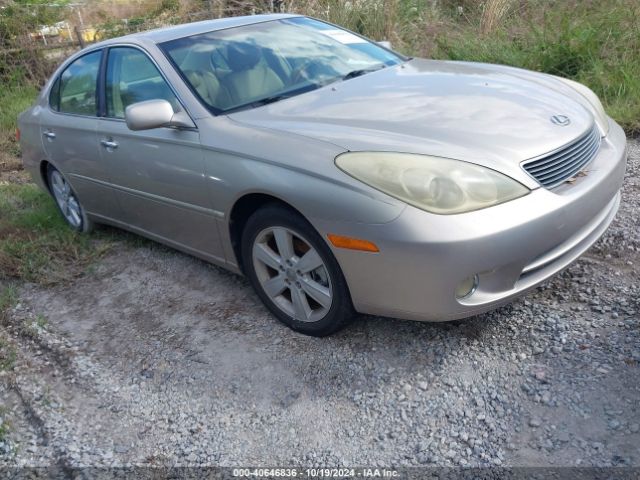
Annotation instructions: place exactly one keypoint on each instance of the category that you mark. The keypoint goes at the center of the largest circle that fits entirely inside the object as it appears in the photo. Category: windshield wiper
(273, 98)
(307, 88)
(362, 71)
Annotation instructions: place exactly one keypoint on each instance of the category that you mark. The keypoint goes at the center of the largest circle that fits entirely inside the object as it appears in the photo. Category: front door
(158, 174)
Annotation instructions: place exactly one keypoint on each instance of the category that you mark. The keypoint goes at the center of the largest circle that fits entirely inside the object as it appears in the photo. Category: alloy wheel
(66, 200)
(292, 274)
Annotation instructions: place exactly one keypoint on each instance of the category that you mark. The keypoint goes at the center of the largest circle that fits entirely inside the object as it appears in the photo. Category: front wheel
(294, 272)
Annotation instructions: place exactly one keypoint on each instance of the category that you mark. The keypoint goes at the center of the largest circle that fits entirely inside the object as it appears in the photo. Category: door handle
(49, 135)
(109, 144)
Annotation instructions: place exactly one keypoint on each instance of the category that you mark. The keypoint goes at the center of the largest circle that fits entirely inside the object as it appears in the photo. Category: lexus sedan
(336, 174)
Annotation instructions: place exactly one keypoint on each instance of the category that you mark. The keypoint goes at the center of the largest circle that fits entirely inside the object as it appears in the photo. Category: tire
(67, 201)
(293, 292)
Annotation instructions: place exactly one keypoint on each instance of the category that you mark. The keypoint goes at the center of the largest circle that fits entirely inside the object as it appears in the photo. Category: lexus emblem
(560, 120)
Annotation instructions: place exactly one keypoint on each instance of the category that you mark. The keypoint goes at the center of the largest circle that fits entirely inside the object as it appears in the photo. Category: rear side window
(54, 95)
(131, 78)
(75, 91)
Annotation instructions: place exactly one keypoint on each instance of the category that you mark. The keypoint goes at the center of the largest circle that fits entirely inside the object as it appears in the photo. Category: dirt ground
(156, 358)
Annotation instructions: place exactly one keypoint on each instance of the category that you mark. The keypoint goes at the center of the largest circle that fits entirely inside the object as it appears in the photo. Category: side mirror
(155, 114)
(385, 43)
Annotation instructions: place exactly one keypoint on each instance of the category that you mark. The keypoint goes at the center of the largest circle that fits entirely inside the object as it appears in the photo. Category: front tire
(67, 201)
(294, 272)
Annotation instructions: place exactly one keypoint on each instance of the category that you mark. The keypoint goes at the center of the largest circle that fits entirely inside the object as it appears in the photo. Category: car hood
(491, 115)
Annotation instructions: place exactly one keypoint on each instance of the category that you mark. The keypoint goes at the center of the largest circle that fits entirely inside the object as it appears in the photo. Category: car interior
(235, 73)
(133, 78)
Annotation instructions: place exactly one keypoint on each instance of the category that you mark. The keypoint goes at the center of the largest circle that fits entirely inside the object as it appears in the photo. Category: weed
(5, 426)
(8, 298)
(36, 244)
(7, 355)
(41, 320)
(13, 99)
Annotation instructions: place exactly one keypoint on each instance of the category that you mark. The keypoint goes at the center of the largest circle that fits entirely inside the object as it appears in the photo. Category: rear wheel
(294, 272)
(67, 201)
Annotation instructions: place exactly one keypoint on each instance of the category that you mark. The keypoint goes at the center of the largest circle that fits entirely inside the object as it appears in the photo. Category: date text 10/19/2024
(315, 472)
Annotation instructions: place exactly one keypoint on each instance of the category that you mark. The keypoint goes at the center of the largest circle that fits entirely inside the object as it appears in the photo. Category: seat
(116, 96)
(209, 88)
(250, 78)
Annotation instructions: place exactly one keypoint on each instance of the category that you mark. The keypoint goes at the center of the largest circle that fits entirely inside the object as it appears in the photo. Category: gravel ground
(157, 358)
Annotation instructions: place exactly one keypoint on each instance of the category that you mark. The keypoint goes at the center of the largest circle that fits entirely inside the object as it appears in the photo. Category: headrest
(242, 56)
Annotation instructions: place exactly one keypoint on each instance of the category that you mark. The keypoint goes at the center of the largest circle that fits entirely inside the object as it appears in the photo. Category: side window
(75, 91)
(54, 95)
(132, 77)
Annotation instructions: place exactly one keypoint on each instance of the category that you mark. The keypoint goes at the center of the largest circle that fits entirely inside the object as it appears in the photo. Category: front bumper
(511, 247)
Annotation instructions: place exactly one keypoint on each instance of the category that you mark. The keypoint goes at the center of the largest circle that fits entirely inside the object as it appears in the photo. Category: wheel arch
(242, 209)
(44, 176)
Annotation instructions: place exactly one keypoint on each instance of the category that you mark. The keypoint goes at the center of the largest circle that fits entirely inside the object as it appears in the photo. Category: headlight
(437, 185)
(594, 101)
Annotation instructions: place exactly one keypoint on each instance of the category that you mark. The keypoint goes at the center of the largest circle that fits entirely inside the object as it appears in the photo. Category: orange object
(353, 243)
(17, 134)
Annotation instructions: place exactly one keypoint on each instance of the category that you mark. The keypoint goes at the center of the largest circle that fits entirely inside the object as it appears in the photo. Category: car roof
(165, 34)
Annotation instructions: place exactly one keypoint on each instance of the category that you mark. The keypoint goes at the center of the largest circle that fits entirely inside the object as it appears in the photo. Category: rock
(535, 422)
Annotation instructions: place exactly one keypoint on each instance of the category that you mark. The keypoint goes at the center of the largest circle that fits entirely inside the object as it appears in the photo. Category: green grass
(41, 321)
(7, 361)
(36, 245)
(8, 298)
(5, 425)
(14, 99)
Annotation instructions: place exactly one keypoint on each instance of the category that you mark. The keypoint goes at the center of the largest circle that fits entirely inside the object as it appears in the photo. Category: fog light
(467, 287)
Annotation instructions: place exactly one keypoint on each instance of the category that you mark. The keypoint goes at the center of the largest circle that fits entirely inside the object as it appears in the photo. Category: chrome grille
(561, 165)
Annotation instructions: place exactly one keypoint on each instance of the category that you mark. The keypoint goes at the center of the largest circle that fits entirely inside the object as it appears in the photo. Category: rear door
(159, 173)
(69, 134)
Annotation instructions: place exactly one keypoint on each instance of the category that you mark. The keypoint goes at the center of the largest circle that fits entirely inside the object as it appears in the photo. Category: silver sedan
(336, 174)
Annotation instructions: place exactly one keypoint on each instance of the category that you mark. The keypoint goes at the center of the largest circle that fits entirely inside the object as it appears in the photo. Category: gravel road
(157, 358)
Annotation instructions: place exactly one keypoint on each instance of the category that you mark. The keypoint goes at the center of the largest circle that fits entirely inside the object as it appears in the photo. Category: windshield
(248, 66)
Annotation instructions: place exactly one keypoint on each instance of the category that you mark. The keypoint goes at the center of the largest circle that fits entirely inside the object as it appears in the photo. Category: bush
(20, 60)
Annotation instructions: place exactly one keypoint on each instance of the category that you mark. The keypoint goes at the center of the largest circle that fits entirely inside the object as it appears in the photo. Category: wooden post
(79, 35)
